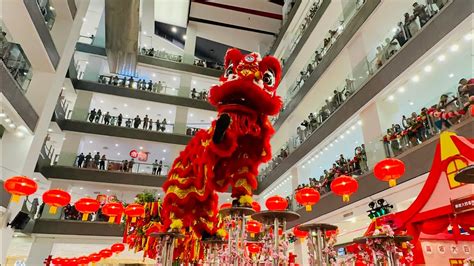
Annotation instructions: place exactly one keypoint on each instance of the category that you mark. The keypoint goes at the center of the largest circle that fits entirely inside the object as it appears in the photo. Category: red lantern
(307, 197)
(134, 210)
(83, 260)
(256, 206)
(390, 170)
(20, 186)
(225, 205)
(300, 233)
(276, 203)
(253, 248)
(57, 261)
(344, 186)
(105, 253)
(253, 227)
(112, 210)
(94, 257)
(56, 198)
(117, 248)
(87, 206)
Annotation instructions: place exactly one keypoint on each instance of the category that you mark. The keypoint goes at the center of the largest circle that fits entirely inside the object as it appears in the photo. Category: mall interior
(138, 132)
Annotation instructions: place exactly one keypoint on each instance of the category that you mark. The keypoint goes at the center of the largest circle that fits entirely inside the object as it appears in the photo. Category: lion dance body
(230, 151)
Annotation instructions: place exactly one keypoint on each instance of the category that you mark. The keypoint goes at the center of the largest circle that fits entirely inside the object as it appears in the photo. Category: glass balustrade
(162, 54)
(16, 62)
(48, 12)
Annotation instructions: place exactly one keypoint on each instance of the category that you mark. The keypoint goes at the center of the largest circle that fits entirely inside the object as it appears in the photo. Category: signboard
(463, 204)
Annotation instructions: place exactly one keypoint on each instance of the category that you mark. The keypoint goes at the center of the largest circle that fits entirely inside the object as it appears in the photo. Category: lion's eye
(269, 78)
(229, 70)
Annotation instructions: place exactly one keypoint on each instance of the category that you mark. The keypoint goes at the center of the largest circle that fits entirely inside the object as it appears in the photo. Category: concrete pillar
(372, 133)
(185, 85)
(181, 120)
(62, 24)
(82, 105)
(190, 43)
(40, 250)
(93, 68)
(70, 149)
(147, 27)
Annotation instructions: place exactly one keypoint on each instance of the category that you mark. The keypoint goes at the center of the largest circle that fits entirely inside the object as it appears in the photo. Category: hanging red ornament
(57, 261)
(94, 257)
(113, 209)
(300, 233)
(105, 253)
(344, 186)
(253, 227)
(83, 260)
(253, 248)
(389, 169)
(307, 197)
(225, 206)
(20, 186)
(134, 210)
(276, 203)
(56, 198)
(256, 206)
(87, 206)
(117, 248)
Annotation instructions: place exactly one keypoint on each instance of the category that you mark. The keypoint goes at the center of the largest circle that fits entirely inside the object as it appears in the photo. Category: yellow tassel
(252, 235)
(15, 198)
(85, 216)
(345, 198)
(392, 182)
(246, 199)
(146, 245)
(111, 219)
(176, 224)
(301, 240)
(404, 245)
(309, 208)
(134, 219)
(53, 209)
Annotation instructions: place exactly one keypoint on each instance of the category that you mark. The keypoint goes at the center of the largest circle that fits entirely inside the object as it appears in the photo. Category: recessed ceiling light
(451, 75)
(11, 125)
(410, 103)
(191, 114)
(3, 115)
(163, 158)
(101, 101)
(154, 75)
(348, 132)
(303, 166)
(34, 178)
(391, 98)
(170, 111)
(144, 32)
(184, 37)
(87, 62)
(415, 78)
(49, 129)
(64, 138)
(359, 123)
(341, 137)
(401, 89)
(353, 127)
(84, 19)
(441, 58)
(394, 30)
(116, 145)
(125, 105)
(141, 148)
(164, 150)
(468, 37)
(330, 145)
(194, 82)
(19, 134)
(81, 188)
(174, 29)
(90, 141)
(454, 48)
(118, 153)
(428, 68)
(174, 78)
(148, 108)
(108, 190)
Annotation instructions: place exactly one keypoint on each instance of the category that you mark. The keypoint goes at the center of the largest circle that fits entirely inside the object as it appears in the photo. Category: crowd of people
(100, 162)
(420, 126)
(409, 27)
(178, 58)
(354, 165)
(97, 116)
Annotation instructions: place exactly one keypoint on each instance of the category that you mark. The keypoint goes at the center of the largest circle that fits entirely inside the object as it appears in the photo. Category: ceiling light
(468, 37)
(317, 156)
(391, 98)
(454, 48)
(81, 188)
(2, 115)
(164, 150)
(184, 37)
(411, 103)
(34, 178)
(154, 75)
(428, 68)
(11, 125)
(394, 30)
(141, 148)
(90, 141)
(148, 108)
(144, 45)
(174, 78)
(194, 82)
(87, 62)
(163, 158)
(101, 101)
(170, 111)
(144, 32)
(353, 127)
(359, 122)
(49, 129)
(348, 132)
(174, 29)
(331, 145)
(64, 138)
(302, 166)
(191, 114)
(451, 75)
(342, 137)
(116, 145)
(84, 19)
(19, 134)
(326, 148)
(441, 58)
(415, 78)
(401, 89)
(125, 105)
(118, 153)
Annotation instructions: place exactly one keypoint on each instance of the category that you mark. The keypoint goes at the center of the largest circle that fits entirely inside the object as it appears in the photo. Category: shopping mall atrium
(237, 132)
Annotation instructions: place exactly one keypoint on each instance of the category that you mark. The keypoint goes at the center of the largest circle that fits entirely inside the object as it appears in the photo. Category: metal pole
(276, 240)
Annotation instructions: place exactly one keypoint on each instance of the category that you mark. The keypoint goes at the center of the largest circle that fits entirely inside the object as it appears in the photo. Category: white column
(301, 251)
(185, 85)
(70, 149)
(82, 105)
(40, 250)
(180, 120)
(372, 132)
(147, 23)
(190, 43)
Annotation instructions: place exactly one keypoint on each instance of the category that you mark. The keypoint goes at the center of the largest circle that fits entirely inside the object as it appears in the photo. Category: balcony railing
(178, 58)
(17, 63)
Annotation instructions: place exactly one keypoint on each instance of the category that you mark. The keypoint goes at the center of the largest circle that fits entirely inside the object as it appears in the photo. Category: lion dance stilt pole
(230, 151)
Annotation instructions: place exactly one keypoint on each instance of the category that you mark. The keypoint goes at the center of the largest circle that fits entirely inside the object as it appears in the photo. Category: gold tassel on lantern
(53, 209)
(85, 216)
(111, 219)
(392, 182)
(345, 198)
(15, 198)
(308, 208)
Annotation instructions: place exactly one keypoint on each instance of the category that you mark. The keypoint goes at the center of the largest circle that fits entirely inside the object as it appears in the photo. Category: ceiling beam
(241, 9)
(216, 23)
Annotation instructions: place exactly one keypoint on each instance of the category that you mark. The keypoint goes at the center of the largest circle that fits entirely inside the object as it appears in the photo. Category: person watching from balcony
(150, 125)
(193, 93)
(137, 121)
(88, 160)
(98, 116)
(420, 12)
(128, 123)
(107, 118)
(145, 122)
(160, 167)
(102, 162)
(130, 165)
(163, 125)
(92, 115)
(154, 167)
(96, 159)
(80, 159)
(158, 125)
(119, 120)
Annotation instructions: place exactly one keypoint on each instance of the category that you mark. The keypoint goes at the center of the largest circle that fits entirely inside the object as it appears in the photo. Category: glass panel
(162, 54)
(48, 12)
(17, 63)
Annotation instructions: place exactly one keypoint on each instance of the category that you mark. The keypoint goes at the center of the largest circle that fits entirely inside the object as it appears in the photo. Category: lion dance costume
(230, 151)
